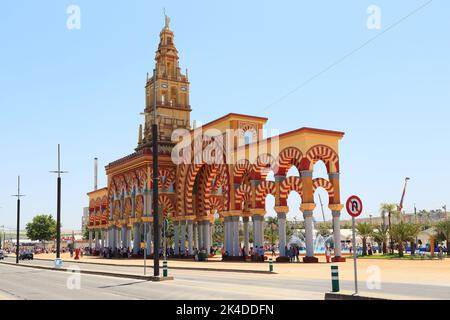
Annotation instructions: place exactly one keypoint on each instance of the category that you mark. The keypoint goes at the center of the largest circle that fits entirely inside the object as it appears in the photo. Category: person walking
(328, 254)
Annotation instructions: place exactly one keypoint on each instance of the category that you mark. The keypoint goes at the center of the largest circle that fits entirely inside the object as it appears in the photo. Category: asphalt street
(27, 283)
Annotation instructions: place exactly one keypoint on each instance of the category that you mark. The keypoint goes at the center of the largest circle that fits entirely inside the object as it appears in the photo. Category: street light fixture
(58, 204)
(18, 195)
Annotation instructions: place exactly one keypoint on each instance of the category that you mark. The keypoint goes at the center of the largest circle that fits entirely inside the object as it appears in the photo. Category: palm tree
(381, 236)
(389, 208)
(364, 230)
(403, 232)
(443, 228)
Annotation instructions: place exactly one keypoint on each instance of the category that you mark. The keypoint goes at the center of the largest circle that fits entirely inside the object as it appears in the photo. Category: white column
(176, 237)
(115, 239)
(90, 239)
(136, 238)
(309, 233)
(183, 237)
(190, 231)
(236, 236)
(97, 244)
(200, 235)
(129, 238)
(226, 236)
(196, 235)
(337, 233)
(103, 238)
(149, 238)
(282, 233)
(124, 236)
(246, 235)
(256, 231)
(207, 235)
(106, 237)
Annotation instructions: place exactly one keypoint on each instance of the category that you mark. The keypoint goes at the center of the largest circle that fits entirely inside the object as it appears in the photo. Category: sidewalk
(214, 264)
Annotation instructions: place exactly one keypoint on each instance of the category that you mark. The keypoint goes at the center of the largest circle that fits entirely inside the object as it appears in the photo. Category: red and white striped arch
(287, 158)
(324, 153)
(242, 194)
(262, 190)
(290, 184)
(325, 184)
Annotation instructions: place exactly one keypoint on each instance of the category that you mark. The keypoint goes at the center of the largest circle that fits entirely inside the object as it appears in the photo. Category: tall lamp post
(18, 195)
(58, 204)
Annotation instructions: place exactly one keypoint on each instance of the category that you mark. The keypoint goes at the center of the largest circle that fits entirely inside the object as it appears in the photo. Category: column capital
(245, 219)
(306, 173)
(307, 207)
(205, 218)
(307, 214)
(336, 207)
(282, 209)
(257, 218)
(281, 215)
(258, 212)
(232, 213)
(189, 218)
(333, 175)
(336, 214)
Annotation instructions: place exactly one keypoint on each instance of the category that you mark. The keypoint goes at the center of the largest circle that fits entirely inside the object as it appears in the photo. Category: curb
(179, 268)
(93, 272)
(348, 296)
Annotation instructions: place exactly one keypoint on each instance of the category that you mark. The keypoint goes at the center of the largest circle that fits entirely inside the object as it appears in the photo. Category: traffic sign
(354, 206)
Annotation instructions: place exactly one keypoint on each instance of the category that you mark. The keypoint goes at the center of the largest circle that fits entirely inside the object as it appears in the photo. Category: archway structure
(212, 168)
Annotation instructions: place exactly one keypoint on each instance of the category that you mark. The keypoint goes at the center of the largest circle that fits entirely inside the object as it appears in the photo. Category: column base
(310, 260)
(338, 259)
(283, 259)
(233, 258)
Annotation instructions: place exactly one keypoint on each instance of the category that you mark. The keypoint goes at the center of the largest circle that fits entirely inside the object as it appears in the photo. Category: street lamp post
(18, 195)
(58, 205)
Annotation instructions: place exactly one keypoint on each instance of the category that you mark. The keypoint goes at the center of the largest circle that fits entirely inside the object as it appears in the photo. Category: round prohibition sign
(354, 206)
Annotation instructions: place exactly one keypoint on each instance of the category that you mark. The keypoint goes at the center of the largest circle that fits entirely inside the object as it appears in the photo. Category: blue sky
(85, 88)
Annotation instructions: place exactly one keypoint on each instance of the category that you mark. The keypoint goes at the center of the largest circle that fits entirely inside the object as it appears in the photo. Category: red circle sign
(354, 206)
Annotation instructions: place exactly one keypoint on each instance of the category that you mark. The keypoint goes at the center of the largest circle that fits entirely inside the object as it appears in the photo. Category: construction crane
(400, 206)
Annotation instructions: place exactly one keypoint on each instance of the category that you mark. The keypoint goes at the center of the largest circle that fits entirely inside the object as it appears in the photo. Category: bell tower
(172, 92)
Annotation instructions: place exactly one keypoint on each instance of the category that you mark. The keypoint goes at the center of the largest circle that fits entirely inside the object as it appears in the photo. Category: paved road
(27, 283)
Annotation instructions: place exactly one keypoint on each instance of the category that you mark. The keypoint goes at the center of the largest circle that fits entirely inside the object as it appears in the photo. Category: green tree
(380, 235)
(218, 232)
(41, 228)
(324, 229)
(85, 233)
(271, 230)
(403, 232)
(443, 230)
(364, 230)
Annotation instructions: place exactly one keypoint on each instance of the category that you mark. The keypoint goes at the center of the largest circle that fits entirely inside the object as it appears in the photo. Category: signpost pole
(354, 207)
(354, 255)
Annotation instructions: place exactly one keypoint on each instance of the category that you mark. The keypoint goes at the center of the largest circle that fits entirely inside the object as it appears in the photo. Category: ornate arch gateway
(210, 169)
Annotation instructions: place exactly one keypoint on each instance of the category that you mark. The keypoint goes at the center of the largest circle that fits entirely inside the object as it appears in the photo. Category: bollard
(165, 271)
(270, 265)
(335, 278)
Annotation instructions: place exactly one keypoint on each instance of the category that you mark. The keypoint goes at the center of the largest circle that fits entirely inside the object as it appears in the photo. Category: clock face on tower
(183, 88)
(164, 85)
